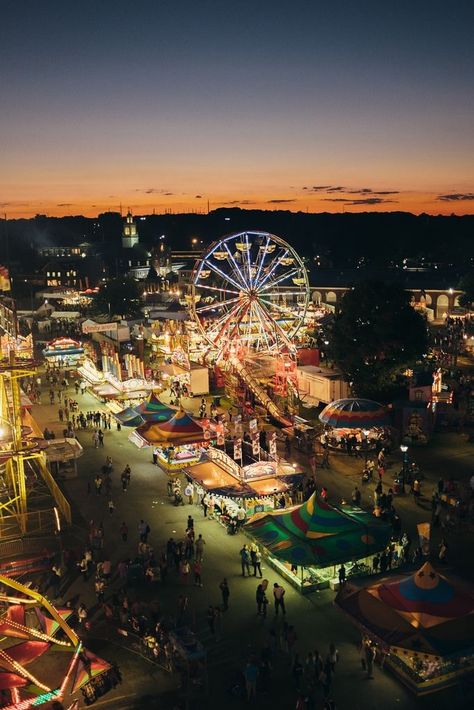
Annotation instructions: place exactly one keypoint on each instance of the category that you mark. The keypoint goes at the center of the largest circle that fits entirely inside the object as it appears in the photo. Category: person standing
(356, 496)
(98, 484)
(111, 506)
(245, 561)
(279, 597)
(342, 575)
(225, 591)
(251, 675)
(197, 569)
(257, 563)
(261, 599)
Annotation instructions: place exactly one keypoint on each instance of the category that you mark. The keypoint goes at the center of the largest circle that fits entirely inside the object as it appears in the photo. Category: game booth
(363, 418)
(307, 543)
(255, 487)
(177, 442)
(422, 624)
(65, 350)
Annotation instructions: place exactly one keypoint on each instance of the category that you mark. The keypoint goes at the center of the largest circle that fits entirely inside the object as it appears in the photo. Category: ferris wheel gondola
(250, 290)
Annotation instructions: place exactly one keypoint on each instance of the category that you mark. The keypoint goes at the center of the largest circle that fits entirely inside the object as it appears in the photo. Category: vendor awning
(154, 410)
(180, 429)
(318, 534)
(354, 414)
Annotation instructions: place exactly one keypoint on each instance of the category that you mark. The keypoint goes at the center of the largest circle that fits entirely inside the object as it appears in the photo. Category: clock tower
(129, 234)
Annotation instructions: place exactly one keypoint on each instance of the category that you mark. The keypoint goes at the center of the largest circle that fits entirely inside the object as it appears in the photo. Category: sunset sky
(302, 105)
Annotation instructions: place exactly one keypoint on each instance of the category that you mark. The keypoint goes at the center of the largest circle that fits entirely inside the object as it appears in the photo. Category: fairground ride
(249, 297)
(24, 474)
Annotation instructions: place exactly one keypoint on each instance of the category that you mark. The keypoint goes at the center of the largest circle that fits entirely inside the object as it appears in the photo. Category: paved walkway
(316, 620)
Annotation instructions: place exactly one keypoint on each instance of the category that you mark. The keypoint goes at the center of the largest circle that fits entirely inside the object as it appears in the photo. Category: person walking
(257, 563)
(199, 547)
(356, 496)
(225, 591)
(98, 484)
(279, 598)
(251, 675)
(111, 506)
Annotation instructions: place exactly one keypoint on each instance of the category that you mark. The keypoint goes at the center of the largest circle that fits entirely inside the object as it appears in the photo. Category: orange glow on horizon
(416, 202)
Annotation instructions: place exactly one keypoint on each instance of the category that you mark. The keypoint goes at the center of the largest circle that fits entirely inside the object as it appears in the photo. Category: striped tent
(180, 429)
(154, 410)
(354, 414)
(318, 534)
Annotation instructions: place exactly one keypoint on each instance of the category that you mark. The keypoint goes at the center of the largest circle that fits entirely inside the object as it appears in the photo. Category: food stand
(422, 623)
(178, 442)
(252, 487)
(315, 538)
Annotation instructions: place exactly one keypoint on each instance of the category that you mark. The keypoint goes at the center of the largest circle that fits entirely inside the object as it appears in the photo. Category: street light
(365, 444)
(57, 520)
(404, 450)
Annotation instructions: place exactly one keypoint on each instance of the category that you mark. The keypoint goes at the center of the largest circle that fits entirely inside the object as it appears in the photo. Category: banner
(91, 327)
(253, 425)
(424, 530)
(239, 429)
(255, 444)
(238, 450)
(272, 444)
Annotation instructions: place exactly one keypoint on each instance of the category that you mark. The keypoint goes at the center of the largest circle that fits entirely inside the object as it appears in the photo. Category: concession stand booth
(151, 410)
(177, 442)
(422, 624)
(256, 487)
(308, 542)
(65, 350)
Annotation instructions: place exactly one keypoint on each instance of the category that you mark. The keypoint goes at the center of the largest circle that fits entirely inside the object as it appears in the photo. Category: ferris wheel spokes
(273, 266)
(236, 266)
(280, 279)
(217, 305)
(222, 274)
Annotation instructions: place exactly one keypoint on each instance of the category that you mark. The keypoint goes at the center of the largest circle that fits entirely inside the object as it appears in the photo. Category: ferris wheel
(250, 293)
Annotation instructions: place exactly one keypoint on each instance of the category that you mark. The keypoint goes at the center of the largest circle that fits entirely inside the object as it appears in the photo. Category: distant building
(135, 258)
(129, 235)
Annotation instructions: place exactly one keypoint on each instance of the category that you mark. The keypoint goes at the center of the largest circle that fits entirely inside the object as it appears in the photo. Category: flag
(237, 449)
(255, 444)
(272, 444)
(4, 279)
(424, 530)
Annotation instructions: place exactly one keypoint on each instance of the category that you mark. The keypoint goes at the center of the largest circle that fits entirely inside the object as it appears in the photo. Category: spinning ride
(249, 298)
(250, 290)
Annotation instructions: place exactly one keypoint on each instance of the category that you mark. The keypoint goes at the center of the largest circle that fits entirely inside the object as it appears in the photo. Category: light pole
(57, 520)
(404, 450)
(365, 444)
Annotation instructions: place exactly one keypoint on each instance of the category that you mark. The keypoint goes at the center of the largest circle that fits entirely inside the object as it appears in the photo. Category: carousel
(363, 419)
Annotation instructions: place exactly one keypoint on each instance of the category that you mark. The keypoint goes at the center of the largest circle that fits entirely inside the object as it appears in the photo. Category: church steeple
(129, 234)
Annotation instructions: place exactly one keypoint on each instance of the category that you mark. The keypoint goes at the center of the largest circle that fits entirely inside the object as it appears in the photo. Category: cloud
(152, 191)
(238, 202)
(64, 204)
(338, 188)
(318, 188)
(336, 199)
(457, 197)
(198, 197)
(278, 201)
(370, 201)
(350, 190)
(167, 194)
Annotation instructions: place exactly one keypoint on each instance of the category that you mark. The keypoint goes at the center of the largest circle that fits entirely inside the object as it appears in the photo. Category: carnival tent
(180, 429)
(425, 612)
(354, 414)
(154, 410)
(318, 534)
(129, 417)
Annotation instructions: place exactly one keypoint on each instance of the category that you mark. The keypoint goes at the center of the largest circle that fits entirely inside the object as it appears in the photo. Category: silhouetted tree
(119, 297)
(375, 336)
